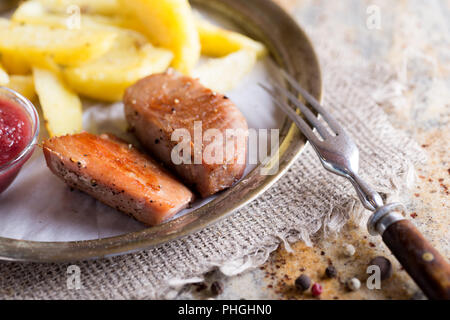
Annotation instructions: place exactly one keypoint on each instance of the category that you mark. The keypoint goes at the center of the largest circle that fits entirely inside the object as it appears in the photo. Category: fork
(339, 154)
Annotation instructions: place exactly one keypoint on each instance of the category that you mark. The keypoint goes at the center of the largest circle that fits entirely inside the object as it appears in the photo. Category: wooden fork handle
(424, 264)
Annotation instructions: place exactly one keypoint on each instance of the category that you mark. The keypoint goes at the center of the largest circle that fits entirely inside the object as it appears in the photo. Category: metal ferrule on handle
(383, 217)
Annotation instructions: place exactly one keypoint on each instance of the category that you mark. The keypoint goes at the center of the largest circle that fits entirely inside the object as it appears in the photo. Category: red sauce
(15, 135)
(15, 131)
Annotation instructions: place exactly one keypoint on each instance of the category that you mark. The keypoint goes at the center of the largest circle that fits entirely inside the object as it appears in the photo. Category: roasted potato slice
(30, 8)
(42, 45)
(223, 74)
(107, 77)
(169, 24)
(103, 7)
(14, 64)
(34, 12)
(11, 62)
(218, 42)
(4, 77)
(61, 107)
(23, 85)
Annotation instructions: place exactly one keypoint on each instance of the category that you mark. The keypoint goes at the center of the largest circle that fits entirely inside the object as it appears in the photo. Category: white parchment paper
(39, 206)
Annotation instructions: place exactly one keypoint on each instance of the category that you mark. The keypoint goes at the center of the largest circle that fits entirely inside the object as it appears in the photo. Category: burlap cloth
(308, 201)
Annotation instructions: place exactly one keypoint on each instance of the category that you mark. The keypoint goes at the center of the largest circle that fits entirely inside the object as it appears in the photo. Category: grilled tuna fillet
(118, 175)
(158, 105)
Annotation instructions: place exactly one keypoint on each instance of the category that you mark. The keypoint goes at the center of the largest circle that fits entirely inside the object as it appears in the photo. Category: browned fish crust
(159, 104)
(118, 175)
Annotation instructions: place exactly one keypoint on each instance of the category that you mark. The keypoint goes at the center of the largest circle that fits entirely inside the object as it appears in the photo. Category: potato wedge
(61, 107)
(43, 45)
(223, 74)
(169, 24)
(4, 77)
(14, 64)
(30, 8)
(23, 85)
(107, 77)
(103, 7)
(219, 42)
(34, 12)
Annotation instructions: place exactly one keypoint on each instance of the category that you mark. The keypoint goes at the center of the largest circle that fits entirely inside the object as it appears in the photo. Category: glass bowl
(10, 170)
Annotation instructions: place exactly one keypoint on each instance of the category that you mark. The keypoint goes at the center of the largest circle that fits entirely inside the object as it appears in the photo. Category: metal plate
(291, 49)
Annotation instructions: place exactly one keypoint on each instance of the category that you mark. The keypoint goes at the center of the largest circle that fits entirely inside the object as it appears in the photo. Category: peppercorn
(331, 272)
(316, 290)
(200, 286)
(385, 266)
(303, 283)
(353, 284)
(216, 288)
(349, 250)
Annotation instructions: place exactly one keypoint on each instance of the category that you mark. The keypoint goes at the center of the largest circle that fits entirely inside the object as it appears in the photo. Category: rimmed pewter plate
(292, 50)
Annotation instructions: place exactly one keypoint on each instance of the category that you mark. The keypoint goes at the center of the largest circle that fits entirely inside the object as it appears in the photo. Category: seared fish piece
(118, 175)
(158, 105)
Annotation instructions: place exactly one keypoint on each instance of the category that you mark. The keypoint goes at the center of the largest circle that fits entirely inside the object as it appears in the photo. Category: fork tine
(312, 118)
(313, 102)
(303, 126)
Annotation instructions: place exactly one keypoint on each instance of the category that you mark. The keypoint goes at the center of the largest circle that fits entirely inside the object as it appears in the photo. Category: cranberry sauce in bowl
(19, 130)
(15, 131)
